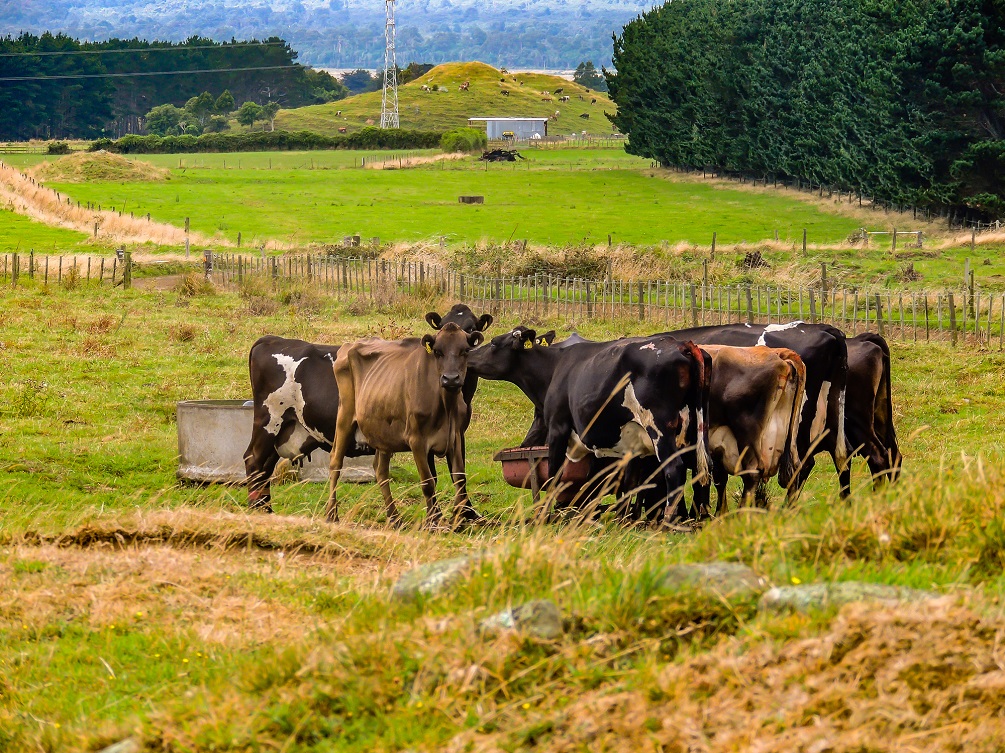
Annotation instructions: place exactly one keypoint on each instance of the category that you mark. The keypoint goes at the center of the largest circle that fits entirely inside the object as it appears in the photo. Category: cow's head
(462, 316)
(450, 347)
(504, 353)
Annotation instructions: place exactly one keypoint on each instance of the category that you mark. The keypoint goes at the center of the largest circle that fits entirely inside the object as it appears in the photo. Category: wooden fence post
(804, 241)
(952, 318)
(207, 263)
(813, 307)
(127, 270)
(31, 264)
(642, 308)
(879, 316)
(750, 307)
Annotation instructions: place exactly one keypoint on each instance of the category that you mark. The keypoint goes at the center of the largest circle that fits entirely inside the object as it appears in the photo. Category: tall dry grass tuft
(405, 162)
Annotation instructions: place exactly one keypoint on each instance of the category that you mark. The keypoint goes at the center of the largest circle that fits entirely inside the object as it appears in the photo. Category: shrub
(464, 140)
(58, 147)
(367, 138)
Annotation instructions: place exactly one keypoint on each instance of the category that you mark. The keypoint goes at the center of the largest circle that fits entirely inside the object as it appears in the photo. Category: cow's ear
(484, 322)
(524, 339)
(475, 339)
(434, 320)
(427, 342)
(546, 339)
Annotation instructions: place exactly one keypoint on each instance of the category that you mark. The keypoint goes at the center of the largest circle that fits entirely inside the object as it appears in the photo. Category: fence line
(969, 315)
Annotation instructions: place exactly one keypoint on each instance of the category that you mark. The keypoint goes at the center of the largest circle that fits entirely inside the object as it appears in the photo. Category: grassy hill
(441, 110)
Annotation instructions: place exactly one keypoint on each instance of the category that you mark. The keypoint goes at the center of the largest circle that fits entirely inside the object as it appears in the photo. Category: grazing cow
(405, 395)
(546, 93)
(546, 99)
(342, 129)
(425, 88)
(584, 115)
(593, 101)
(505, 92)
(757, 395)
(869, 413)
(296, 401)
(825, 355)
(464, 87)
(629, 398)
(564, 98)
(559, 90)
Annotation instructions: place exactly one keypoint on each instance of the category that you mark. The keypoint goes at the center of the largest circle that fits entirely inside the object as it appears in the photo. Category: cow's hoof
(265, 507)
(395, 521)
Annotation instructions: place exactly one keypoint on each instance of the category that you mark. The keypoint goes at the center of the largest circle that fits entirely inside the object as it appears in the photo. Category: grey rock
(432, 578)
(815, 596)
(728, 579)
(129, 745)
(540, 618)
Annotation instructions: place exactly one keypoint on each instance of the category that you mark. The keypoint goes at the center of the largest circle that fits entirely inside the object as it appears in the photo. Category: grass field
(536, 199)
(443, 110)
(131, 605)
(21, 234)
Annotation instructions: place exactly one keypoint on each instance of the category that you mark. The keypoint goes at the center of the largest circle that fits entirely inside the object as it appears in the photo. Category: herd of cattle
(752, 401)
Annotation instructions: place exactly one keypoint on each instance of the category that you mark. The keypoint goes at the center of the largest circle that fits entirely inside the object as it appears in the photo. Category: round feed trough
(214, 434)
(527, 468)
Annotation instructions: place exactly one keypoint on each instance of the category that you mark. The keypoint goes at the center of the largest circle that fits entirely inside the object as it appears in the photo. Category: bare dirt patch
(83, 167)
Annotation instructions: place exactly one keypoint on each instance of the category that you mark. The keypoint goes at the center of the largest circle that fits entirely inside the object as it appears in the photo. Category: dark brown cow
(869, 418)
(754, 408)
(405, 395)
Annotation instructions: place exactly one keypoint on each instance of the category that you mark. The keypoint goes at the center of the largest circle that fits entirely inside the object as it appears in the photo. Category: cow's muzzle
(451, 382)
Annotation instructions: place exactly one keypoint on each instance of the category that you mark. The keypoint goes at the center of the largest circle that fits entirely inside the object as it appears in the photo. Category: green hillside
(442, 110)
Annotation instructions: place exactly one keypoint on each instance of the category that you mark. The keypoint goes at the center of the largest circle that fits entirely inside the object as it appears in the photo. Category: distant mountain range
(551, 34)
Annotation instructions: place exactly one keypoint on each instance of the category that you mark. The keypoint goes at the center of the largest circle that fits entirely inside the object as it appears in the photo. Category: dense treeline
(365, 138)
(43, 106)
(900, 100)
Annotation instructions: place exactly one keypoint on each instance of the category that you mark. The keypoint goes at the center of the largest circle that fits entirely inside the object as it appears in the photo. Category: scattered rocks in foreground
(432, 578)
(540, 618)
(129, 745)
(816, 596)
(731, 580)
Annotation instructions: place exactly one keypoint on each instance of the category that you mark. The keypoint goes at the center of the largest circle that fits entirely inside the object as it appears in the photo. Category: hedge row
(366, 138)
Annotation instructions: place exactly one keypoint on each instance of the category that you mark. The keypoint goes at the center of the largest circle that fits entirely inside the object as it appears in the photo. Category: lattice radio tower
(389, 100)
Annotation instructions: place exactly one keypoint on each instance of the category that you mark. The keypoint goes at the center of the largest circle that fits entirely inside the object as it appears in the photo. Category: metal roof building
(522, 128)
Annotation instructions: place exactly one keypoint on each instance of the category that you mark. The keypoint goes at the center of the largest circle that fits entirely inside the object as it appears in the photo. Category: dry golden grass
(81, 167)
(400, 163)
(22, 194)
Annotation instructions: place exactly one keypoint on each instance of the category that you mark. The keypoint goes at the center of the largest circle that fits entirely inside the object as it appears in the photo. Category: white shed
(521, 128)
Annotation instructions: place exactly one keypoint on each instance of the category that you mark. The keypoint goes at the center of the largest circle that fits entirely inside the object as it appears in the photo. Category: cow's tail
(701, 372)
(790, 459)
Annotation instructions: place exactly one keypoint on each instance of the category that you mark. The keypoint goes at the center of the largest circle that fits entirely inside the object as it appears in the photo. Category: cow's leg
(382, 469)
(721, 479)
(750, 479)
(464, 511)
(344, 431)
(259, 463)
(844, 476)
(701, 491)
(558, 443)
(428, 485)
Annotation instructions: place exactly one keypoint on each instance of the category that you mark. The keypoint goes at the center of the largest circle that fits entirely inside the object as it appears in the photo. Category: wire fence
(968, 315)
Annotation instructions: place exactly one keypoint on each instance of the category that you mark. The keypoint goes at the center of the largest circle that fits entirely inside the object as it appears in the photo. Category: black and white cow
(296, 401)
(634, 398)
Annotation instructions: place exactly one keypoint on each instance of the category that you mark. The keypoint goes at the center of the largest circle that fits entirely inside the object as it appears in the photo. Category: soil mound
(84, 167)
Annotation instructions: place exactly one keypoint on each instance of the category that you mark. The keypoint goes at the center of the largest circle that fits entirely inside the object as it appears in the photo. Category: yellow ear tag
(543, 343)
(528, 344)
(429, 348)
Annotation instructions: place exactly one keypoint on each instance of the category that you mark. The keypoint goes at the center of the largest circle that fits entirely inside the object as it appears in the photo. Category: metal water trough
(214, 434)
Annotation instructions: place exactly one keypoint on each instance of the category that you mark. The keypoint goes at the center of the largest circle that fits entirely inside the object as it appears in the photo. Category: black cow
(296, 401)
(634, 397)
(869, 415)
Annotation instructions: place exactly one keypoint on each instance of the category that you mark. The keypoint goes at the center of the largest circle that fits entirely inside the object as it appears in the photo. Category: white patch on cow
(704, 461)
(290, 449)
(650, 346)
(777, 328)
(685, 421)
(289, 395)
(820, 415)
(841, 451)
(634, 441)
(723, 444)
(643, 416)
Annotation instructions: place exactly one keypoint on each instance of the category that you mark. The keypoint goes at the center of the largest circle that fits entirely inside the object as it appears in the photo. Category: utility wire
(147, 73)
(224, 46)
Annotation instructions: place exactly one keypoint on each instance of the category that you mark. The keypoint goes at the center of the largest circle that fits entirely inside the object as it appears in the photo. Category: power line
(147, 73)
(224, 46)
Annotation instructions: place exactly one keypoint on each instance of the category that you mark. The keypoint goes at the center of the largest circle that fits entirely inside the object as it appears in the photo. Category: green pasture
(20, 234)
(138, 606)
(533, 199)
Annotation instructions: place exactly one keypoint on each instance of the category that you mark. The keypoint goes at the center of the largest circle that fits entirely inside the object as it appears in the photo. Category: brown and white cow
(754, 408)
(405, 395)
